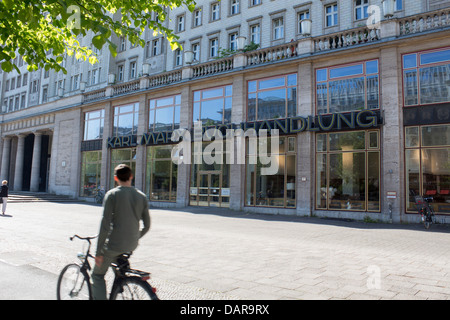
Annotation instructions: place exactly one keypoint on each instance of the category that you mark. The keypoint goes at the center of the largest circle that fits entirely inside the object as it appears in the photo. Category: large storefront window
(210, 180)
(274, 190)
(213, 106)
(426, 77)
(90, 172)
(126, 119)
(126, 156)
(272, 98)
(348, 171)
(161, 179)
(93, 124)
(164, 114)
(347, 88)
(427, 158)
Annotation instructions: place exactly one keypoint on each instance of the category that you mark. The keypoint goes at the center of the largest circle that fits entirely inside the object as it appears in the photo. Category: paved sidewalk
(207, 253)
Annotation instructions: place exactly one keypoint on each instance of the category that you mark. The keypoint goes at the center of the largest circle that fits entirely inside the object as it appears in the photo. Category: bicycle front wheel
(133, 288)
(73, 284)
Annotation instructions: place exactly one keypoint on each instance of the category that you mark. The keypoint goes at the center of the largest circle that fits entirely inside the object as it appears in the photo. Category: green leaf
(98, 41)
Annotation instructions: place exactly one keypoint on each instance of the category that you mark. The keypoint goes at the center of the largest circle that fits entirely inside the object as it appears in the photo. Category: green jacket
(123, 209)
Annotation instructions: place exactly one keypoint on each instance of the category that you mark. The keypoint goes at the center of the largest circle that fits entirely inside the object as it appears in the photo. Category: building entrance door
(209, 183)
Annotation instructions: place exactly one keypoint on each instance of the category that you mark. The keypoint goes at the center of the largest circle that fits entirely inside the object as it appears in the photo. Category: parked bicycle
(129, 284)
(100, 195)
(425, 210)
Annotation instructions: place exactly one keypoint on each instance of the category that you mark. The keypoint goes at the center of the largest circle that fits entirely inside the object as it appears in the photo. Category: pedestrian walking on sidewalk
(4, 195)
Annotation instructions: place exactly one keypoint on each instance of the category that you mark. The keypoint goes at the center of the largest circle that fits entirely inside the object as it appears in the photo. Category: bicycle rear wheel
(73, 284)
(133, 288)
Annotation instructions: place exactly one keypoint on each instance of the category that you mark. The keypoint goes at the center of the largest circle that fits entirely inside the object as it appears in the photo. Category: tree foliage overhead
(34, 29)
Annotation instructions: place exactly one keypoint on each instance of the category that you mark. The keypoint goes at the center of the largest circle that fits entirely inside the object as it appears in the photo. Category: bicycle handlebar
(83, 238)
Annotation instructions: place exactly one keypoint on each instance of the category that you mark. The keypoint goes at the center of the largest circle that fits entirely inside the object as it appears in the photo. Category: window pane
(373, 181)
(321, 75)
(436, 177)
(164, 102)
(436, 135)
(347, 181)
(372, 92)
(412, 137)
(272, 104)
(412, 167)
(322, 98)
(434, 57)
(321, 182)
(164, 119)
(433, 84)
(372, 67)
(410, 87)
(212, 112)
(271, 83)
(347, 95)
(347, 141)
(346, 71)
(212, 93)
(409, 61)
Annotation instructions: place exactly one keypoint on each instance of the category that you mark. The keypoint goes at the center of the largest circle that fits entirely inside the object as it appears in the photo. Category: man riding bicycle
(123, 209)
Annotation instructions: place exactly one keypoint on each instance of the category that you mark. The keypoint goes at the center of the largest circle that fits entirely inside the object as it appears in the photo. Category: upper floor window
(347, 88)
(234, 9)
(93, 124)
(233, 41)
(331, 15)
(213, 47)
(197, 18)
(215, 11)
(254, 2)
(426, 77)
(272, 98)
(196, 51)
(278, 28)
(180, 23)
(213, 106)
(178, 58)
(255, 33)
(133, 69)
(122, 44)
(361, 7)
(164, 114)
(398, 5)
(126, 119)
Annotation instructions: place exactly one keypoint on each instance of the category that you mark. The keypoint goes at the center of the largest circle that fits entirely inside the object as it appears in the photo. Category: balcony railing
(164, 78)
(94, 95)
(126, 87)
(346, 38)
(271, 54)
(424, 22)
(212, 67)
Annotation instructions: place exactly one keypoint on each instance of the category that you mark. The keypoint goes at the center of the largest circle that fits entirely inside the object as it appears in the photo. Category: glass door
(209, 191)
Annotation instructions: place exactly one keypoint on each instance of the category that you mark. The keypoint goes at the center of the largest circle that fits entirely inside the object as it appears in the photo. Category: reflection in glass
(90, 172)
(161, 174)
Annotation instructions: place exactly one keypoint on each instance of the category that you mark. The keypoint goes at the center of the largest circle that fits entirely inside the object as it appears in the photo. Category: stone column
(18, 175)
(5, 158)
(36, 162)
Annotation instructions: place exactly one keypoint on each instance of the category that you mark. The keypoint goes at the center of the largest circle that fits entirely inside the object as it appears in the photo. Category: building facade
(360, 98)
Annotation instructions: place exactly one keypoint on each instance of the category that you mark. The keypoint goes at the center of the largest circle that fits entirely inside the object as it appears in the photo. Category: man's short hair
(123, 172)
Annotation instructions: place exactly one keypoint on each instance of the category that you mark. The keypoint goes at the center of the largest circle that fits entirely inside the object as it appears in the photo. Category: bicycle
(100, 195)
(425, 210)
(129, 284)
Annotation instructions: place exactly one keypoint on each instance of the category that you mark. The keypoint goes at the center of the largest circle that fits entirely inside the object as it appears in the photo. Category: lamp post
(241, 42)
(188, 57)
(146, 69)
(388, 8)
(306, 25)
